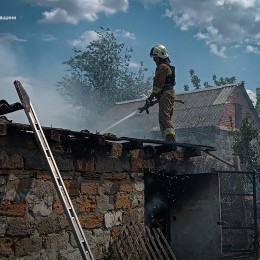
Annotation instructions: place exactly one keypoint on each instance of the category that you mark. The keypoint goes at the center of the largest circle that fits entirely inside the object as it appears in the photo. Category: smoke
(49, 105)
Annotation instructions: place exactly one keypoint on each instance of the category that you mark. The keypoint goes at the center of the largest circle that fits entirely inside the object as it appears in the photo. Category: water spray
(140, 110)
(120, 121)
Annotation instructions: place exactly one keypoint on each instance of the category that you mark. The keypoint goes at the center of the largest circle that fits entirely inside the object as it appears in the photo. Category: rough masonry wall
(105, 185)
(212, 136)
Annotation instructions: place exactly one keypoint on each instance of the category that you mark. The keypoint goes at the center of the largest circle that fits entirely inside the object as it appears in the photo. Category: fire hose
(150, 104)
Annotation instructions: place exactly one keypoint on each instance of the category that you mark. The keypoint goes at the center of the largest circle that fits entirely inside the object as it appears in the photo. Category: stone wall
(105, 184)
(212, 136)
(106, 191)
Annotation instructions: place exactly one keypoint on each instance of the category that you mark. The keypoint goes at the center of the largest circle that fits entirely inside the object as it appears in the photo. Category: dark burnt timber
(163, 146)
(83, 141)
(6, 108)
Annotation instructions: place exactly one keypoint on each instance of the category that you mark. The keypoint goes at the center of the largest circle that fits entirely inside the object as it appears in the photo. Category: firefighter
(163, 91)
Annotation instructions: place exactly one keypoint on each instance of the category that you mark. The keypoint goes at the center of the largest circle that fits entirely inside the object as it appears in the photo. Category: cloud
(219, 52)
(238, 3)
(124, 34)
(8, 37)
(89, 36)
(252, 49)
(221, 24)
(48, 37)
(133, 64)
(73, 11)
(84, 39)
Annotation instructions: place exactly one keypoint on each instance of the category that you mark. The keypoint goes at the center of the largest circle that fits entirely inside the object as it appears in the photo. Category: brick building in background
(205, 118)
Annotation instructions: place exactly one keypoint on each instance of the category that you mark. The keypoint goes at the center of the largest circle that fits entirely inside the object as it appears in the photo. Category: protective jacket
(164, 79)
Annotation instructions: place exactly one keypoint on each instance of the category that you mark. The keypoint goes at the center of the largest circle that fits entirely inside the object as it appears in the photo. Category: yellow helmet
(159, 51)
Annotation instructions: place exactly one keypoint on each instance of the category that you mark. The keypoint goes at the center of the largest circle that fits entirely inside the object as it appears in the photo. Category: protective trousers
(166, 102)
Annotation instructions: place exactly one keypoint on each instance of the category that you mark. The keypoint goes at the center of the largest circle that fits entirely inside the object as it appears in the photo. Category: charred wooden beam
(165, 148)
(190, 152)
(149, 152)
(220, 159)
(6, 108)
(55, 135)
(95, 140)
(76, 146)
(2, 128)
(133, 144)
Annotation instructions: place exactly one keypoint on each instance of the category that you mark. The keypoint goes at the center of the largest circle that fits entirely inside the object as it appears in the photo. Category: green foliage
(186, 87)
(223, 81)
(194, 79)
(257, 105)
(100, 75)
(206, 84)
(246, 145)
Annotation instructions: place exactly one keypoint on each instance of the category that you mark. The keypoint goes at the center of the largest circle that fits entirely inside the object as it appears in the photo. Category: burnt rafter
(6, 108)
(84, 140)
(132, 145)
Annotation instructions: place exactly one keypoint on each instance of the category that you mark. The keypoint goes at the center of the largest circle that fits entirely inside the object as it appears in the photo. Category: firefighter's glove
(150, 99)
(148, 102)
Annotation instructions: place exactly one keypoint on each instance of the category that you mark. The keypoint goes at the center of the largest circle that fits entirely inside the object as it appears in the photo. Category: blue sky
(219, 37)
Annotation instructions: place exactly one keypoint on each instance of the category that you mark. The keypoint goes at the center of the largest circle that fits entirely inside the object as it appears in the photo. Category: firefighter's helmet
(159, 51)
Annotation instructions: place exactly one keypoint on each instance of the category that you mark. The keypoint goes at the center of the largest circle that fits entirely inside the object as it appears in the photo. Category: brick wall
(229, 118)
(105, 185)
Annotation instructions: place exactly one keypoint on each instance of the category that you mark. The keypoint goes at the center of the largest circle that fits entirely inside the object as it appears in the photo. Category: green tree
(246, 145)
(195, 80)
(206, 84)
(100, 75)
(186, 87)
(257, 105)
(223, 81)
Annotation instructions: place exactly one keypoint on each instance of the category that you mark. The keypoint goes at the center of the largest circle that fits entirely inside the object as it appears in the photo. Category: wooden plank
(150, 236)
(136, 250)
(165, 148)
(119, 249)
(157, 236)
(186, 145)
(132, 145)
(138, 240)
(115, 251)
(150, 248)
(120, 243)
(146, 241)
(125, 243)
(167, 244)
(139, 232)
(131, 245)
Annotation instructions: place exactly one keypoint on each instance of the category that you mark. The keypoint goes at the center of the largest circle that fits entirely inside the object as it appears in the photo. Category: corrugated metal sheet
(201, 108)
(223, 95)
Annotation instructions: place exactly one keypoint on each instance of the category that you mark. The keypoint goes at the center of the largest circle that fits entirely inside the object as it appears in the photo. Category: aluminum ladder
(56, 177)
